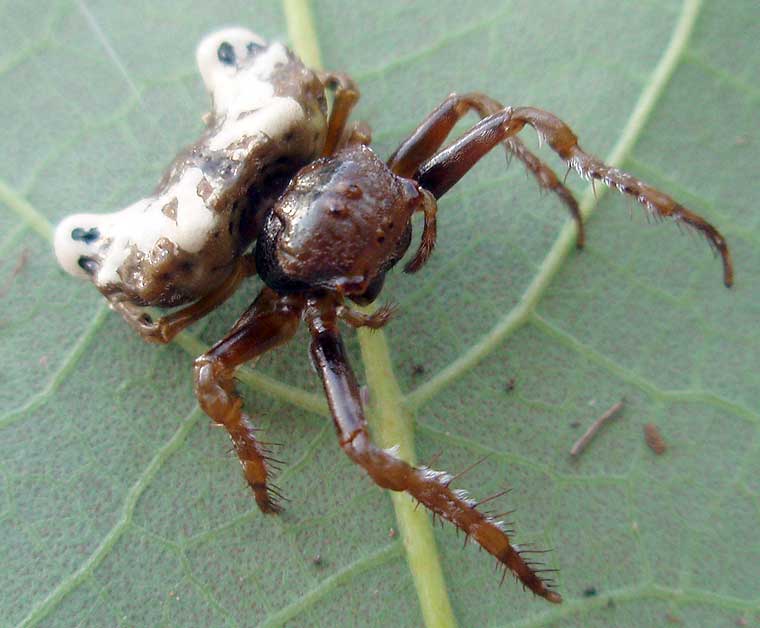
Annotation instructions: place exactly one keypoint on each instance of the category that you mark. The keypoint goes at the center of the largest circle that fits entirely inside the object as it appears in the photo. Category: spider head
(342, 223)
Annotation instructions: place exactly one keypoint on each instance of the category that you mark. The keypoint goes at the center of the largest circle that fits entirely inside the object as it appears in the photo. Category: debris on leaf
(654, 439)
(588, 436)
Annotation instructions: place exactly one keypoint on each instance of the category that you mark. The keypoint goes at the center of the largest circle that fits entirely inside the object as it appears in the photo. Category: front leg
(269, 322)
(430, 135)
(167, 327)
(442, 171)
(346, 96)
(429, 487)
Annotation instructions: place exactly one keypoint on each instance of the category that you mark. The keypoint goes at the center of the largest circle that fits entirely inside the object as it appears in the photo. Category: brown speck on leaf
(418, 369)
(575, 425)
(511, 384)
(673, 619)
(43, 361)
(654, 439)
(392, 533)
(742, 621)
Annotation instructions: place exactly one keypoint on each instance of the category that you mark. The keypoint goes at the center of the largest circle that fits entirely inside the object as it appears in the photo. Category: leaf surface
(118, 502)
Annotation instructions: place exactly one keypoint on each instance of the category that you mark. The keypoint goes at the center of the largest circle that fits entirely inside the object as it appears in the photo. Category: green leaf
(119, 504)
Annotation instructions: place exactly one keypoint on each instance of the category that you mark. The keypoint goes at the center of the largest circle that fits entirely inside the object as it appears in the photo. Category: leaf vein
(726, 77)
(422, 554)
(329, 584)
(43, 608)
(698, 396)
(628, 594)
(67, 366)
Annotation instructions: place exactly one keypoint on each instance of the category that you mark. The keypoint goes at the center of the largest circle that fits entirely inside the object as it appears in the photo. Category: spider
(277, 187)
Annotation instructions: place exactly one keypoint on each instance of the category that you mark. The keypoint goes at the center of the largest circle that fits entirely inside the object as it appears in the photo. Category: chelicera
(277, 187)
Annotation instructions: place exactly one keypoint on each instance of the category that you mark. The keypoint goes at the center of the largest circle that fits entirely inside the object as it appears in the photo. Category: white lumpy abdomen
(273, 119)
(249, 124)
(142, 224)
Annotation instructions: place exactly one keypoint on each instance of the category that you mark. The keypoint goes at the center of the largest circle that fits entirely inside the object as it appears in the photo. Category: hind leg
(269, 322)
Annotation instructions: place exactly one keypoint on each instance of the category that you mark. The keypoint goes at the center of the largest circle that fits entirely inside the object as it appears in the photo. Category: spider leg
(346, 96)
(430, 135)
(429, 233)
(429, 487)
(379, 318)
(167, 327)
(270, 321)
(449, 165)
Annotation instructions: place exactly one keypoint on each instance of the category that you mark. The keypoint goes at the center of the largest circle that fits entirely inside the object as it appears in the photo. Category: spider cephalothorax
(330, 219)
(336, 199)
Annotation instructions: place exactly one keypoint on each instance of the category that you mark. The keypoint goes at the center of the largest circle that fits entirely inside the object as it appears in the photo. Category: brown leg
(346, 96)
(269, 322)
(429, 487)
(376, 320)
(429, 233)
(431, 134)
(167, 327)
(449, 165)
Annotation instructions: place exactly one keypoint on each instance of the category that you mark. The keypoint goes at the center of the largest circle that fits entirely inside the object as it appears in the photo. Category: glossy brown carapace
(329, 220)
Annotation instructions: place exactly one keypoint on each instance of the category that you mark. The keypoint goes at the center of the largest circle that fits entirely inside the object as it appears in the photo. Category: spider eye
(253, 47)
(87, 264)
(226, 53)
(88, 236)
